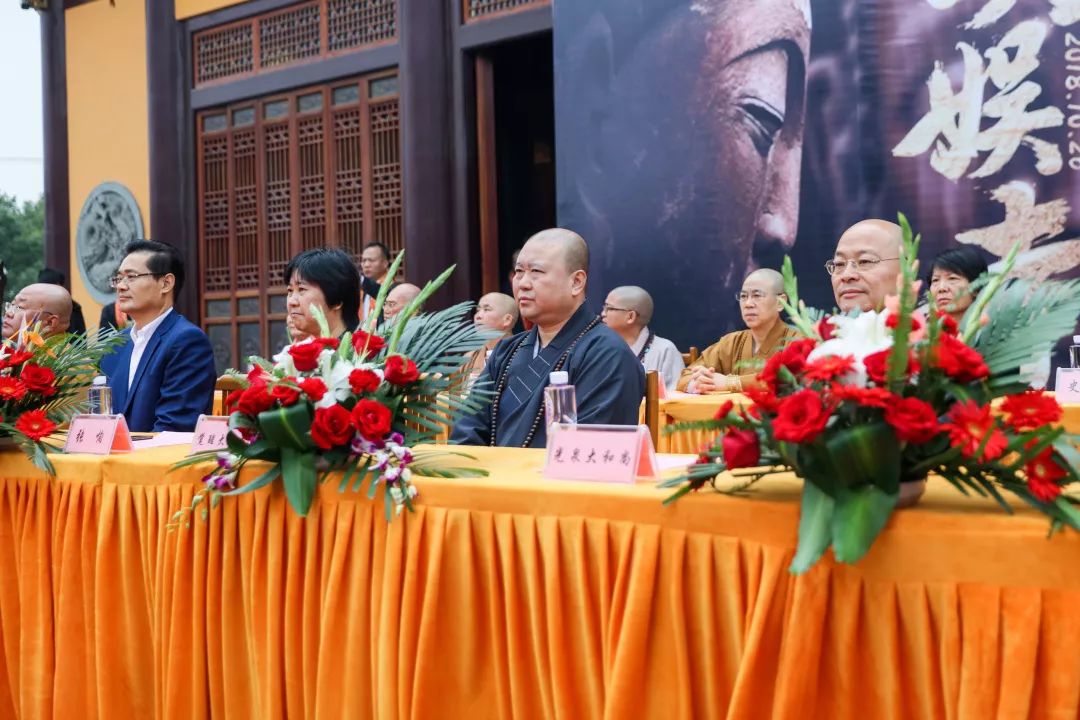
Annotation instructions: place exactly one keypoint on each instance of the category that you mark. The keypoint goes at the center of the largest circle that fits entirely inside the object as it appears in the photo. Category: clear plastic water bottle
(1074, 352)
(560, 400)
(100, 397)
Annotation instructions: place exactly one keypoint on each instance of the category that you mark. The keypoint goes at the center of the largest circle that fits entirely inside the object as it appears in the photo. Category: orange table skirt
(512, 596)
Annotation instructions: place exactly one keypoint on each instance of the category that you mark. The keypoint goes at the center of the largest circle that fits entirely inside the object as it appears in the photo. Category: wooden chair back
(222, 388)
(690, 357)
(652, 405)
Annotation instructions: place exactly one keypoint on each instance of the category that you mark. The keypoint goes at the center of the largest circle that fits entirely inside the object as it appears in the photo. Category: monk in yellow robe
(734, 362)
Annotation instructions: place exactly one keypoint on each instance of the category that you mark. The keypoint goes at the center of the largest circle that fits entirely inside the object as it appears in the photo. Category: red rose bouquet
(864, 407)
(41, 385)
(358, 404)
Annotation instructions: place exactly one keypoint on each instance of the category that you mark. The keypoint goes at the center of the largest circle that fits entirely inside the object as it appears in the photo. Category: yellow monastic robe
(734, 354)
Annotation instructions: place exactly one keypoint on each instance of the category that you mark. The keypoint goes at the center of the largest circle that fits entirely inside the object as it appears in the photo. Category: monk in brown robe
(734, 362)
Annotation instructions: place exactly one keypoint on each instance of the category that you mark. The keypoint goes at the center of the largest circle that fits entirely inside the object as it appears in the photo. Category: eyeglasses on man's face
(11, 308)
(755, 295)
(837, 267)
(605, 308)
(126, 279)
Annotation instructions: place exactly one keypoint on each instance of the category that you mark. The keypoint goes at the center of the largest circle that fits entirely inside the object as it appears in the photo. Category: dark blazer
(174, 382)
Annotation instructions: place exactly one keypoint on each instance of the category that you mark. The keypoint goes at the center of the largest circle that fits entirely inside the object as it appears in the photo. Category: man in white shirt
(628, 310)
(163, 377)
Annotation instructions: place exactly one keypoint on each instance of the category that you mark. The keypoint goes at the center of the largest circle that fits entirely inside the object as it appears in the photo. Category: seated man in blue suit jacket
(163, 377)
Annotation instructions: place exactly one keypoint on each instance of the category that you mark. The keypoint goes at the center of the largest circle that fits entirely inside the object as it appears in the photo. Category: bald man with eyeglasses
(865, 265)
(40, 302)
(733, 363)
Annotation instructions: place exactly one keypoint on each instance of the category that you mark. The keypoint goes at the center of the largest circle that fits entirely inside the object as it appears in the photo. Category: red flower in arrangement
(11, 389)
(876, 365)
(828, 367)
(314, 388)
(305, 355)
(258, 374)
(893, 320)
(800, 417)
(741, 448)
(372, 419)
(328, 342)
(793, 357)
(825, 328)
(1043, 473)
(971, 424)
(38, 379)
(331, 427)
(959, 361)
(870, 397)
(723, 410)
(367, 345)
(255, 399)
(764, 399)
(16, 358)
(914, 420)
(363, 381)
(1030, 410)
(34, 424)
(948, 324)
(400, 370)
(285, 394)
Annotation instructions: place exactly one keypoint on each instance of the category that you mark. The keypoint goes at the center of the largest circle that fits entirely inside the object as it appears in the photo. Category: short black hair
(51, 276)
(382, 247)
(164, 260)
(333, 272)
(964, 260)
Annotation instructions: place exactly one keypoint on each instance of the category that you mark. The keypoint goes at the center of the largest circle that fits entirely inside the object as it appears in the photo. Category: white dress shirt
(139, 339)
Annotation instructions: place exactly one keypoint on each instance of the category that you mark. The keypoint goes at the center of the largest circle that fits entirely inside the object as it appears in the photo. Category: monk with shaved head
(628, 310)
(732, 363)
(41, 302)
(865, 265)
(550, 278)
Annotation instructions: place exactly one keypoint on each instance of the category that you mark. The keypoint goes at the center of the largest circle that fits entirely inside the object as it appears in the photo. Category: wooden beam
(54, 107)
(487, 174)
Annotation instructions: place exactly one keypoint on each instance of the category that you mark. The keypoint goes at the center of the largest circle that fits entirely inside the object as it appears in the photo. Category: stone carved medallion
(109, 220)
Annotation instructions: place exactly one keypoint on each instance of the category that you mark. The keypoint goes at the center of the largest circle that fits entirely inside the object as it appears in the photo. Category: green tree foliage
(22, 241)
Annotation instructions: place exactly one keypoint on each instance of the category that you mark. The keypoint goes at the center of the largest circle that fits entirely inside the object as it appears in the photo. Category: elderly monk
(498, 312)
(549, 283)
(628, 310)
(865, 265)
(41, 302)
(399, 297)
(717, 368)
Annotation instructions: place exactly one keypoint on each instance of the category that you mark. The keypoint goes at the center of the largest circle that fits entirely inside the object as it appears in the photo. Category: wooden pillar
(172, 164)
(54, 107)
(428, 125)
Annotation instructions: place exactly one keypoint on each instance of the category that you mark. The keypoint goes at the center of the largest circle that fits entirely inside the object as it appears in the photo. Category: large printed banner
(699, 139)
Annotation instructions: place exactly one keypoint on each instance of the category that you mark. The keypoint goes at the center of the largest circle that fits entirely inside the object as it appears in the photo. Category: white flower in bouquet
(855, 336)
(336, 377)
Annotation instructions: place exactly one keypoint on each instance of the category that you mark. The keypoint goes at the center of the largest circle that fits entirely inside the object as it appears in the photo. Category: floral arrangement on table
(42, 383)
(357, 405)
(864, 406)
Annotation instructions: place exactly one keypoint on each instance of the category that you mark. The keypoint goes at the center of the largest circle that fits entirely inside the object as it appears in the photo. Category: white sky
(21, 149)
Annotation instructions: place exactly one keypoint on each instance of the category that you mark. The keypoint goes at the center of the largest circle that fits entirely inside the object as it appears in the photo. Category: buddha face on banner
(700, 139)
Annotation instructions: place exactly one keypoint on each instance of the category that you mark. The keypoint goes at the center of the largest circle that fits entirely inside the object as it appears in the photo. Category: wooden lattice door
(319, 166)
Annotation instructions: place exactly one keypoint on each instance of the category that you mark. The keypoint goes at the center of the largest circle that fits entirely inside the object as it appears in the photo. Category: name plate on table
(211, 433)
(98, 435)
(600, 453)
(1067, 385)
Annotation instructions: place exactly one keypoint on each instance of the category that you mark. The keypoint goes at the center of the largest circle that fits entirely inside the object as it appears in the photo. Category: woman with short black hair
(328, 279)
(951, 274)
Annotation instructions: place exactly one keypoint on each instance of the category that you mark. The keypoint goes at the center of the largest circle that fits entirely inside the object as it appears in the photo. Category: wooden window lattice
(299, 33)
(477, 9)
(318, 167)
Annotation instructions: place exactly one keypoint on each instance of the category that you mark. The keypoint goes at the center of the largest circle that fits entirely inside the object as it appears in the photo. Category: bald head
(398, 298)
(48, 304)
(875, 246)
(496, 311)
(767, 278)
(632, 297)
(759, 300)
(572, 247)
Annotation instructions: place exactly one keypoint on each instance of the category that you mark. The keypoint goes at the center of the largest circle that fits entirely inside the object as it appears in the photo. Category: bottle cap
(1076, 339)
(101, 380)
(559, 377)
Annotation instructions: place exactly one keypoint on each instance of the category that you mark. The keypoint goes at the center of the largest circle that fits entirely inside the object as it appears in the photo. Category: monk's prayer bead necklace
(645, 350)
(501, 385)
